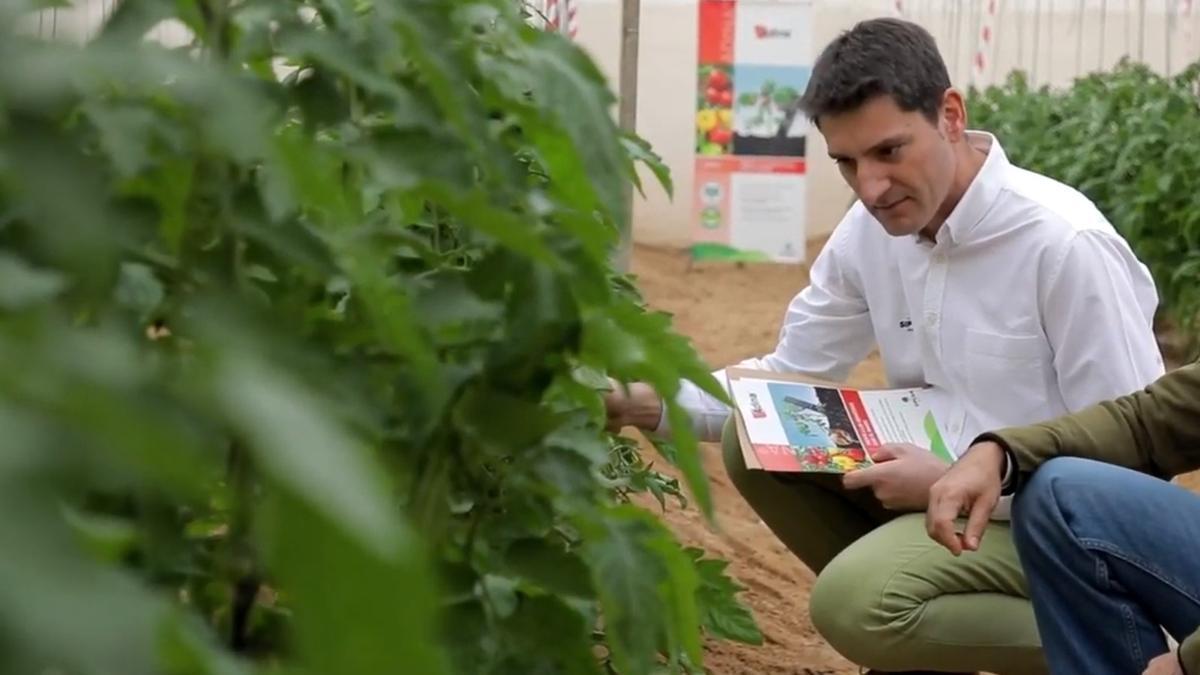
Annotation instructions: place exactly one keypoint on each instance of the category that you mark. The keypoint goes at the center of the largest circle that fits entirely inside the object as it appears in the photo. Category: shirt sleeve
(1098, 312)
(826, 332)
(1189, 654)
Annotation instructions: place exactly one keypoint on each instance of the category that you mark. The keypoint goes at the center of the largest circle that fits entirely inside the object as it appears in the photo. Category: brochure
(790, 423)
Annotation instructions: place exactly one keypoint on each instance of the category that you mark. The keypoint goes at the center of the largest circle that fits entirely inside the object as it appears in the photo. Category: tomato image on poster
(750, 135)
(714, 111)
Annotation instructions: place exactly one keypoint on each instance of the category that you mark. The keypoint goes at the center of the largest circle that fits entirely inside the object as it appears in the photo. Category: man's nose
(872, 185)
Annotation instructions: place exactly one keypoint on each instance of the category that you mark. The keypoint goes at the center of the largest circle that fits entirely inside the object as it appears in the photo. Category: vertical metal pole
(1020, 19)
(1168, 27)
(631, 20)
(997, 29)
(1050, 42)
(1103, 32)
(976, 43)
(947, 15)
(1141, 24)
(1037, 41)
(1128, 21)
(956, 12)
(1079, 26)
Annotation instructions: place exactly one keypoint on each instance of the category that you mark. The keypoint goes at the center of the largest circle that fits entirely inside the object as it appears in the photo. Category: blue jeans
(1112, 557)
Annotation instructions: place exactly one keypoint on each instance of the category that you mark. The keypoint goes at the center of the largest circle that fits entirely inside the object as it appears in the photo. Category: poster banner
(753, 66)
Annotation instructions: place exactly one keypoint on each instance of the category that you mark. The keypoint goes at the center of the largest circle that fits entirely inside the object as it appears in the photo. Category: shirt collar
(980, 194)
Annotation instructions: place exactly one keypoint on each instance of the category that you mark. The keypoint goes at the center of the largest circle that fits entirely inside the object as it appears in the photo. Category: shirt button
(939, 259)
(931, 320)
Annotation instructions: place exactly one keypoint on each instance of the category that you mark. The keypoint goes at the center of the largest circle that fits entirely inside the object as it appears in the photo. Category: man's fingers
(977, 521)
(940, 522)
(860, 478)
(884, 453)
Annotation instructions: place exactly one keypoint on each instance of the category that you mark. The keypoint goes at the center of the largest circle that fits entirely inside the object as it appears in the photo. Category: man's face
(898, 163)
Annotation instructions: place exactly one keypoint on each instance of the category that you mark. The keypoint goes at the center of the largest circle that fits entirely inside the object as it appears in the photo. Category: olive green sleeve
(1156, 430)
(1189, 654)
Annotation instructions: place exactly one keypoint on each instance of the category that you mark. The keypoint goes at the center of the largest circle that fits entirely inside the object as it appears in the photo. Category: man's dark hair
(879, 57)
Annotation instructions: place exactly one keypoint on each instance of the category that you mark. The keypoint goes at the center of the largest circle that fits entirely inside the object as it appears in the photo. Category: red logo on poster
(764, 32)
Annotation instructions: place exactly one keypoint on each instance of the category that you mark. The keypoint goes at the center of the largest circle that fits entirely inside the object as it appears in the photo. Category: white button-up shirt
(1027, 306)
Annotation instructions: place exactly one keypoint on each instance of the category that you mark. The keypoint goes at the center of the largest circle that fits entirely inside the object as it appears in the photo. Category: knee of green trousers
(811, 514)
(897, 601)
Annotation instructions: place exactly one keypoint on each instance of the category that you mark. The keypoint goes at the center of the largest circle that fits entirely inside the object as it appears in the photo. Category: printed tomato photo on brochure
(818, 428)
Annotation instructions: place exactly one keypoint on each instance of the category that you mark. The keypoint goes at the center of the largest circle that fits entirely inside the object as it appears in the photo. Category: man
(1112, 555)
(1005, 292)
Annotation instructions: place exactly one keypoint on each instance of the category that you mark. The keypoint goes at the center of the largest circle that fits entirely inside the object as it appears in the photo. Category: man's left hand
(1166, 664)
(901, 477)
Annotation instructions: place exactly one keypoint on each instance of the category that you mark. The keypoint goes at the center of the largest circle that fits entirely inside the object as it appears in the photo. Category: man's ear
(954, 114)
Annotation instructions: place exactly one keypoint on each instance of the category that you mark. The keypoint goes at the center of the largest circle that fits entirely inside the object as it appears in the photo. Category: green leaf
(106, 537)
(129, 21)
(547, 635)
(722, 614)
(139, 290)
(640, 346)
(569, 86)
(329, 49)
(320, 100)
(62, 609)
(497, 420)
(549, 566)
(23, 285)
(358, 608)
(647, 588)
(444, 300)
(295, 442)
(639, 150)
(185, 650)
(500, 594)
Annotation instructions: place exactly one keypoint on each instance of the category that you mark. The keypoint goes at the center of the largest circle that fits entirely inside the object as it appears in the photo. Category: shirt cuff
(1006, 481)
(706, 414)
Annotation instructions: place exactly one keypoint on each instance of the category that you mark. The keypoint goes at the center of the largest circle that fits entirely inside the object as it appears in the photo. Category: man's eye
(890, 152)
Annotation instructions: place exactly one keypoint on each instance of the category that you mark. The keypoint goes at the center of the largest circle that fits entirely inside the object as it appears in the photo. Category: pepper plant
(303, 332)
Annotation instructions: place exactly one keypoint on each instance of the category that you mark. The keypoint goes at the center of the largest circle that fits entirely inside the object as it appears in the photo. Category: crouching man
(1111, 550)
(1006, 293)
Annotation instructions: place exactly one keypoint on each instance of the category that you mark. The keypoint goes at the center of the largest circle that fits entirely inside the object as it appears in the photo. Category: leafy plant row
(303, 328)
(1130, 140)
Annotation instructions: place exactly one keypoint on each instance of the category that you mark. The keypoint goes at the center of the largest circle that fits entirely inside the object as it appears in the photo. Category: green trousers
(887, 596)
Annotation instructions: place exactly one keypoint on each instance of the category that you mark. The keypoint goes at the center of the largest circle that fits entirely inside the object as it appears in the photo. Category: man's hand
(640, 407)
(971, 486)
(901, 477)
(1166, 664)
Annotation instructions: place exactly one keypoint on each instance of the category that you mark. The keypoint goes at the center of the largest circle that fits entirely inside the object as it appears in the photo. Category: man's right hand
(971, 487)
(640, 407)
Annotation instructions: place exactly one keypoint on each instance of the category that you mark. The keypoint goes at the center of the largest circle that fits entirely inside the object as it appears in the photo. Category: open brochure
(790, 423)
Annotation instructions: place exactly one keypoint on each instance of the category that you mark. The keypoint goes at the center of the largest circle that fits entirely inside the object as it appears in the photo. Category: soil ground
(732, 312)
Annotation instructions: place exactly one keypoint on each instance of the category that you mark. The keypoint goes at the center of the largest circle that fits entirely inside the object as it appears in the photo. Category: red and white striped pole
(563, 16)
(572, 18)
(981, 64)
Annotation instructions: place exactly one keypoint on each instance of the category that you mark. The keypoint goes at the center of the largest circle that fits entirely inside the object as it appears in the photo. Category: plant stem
(246, 582)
